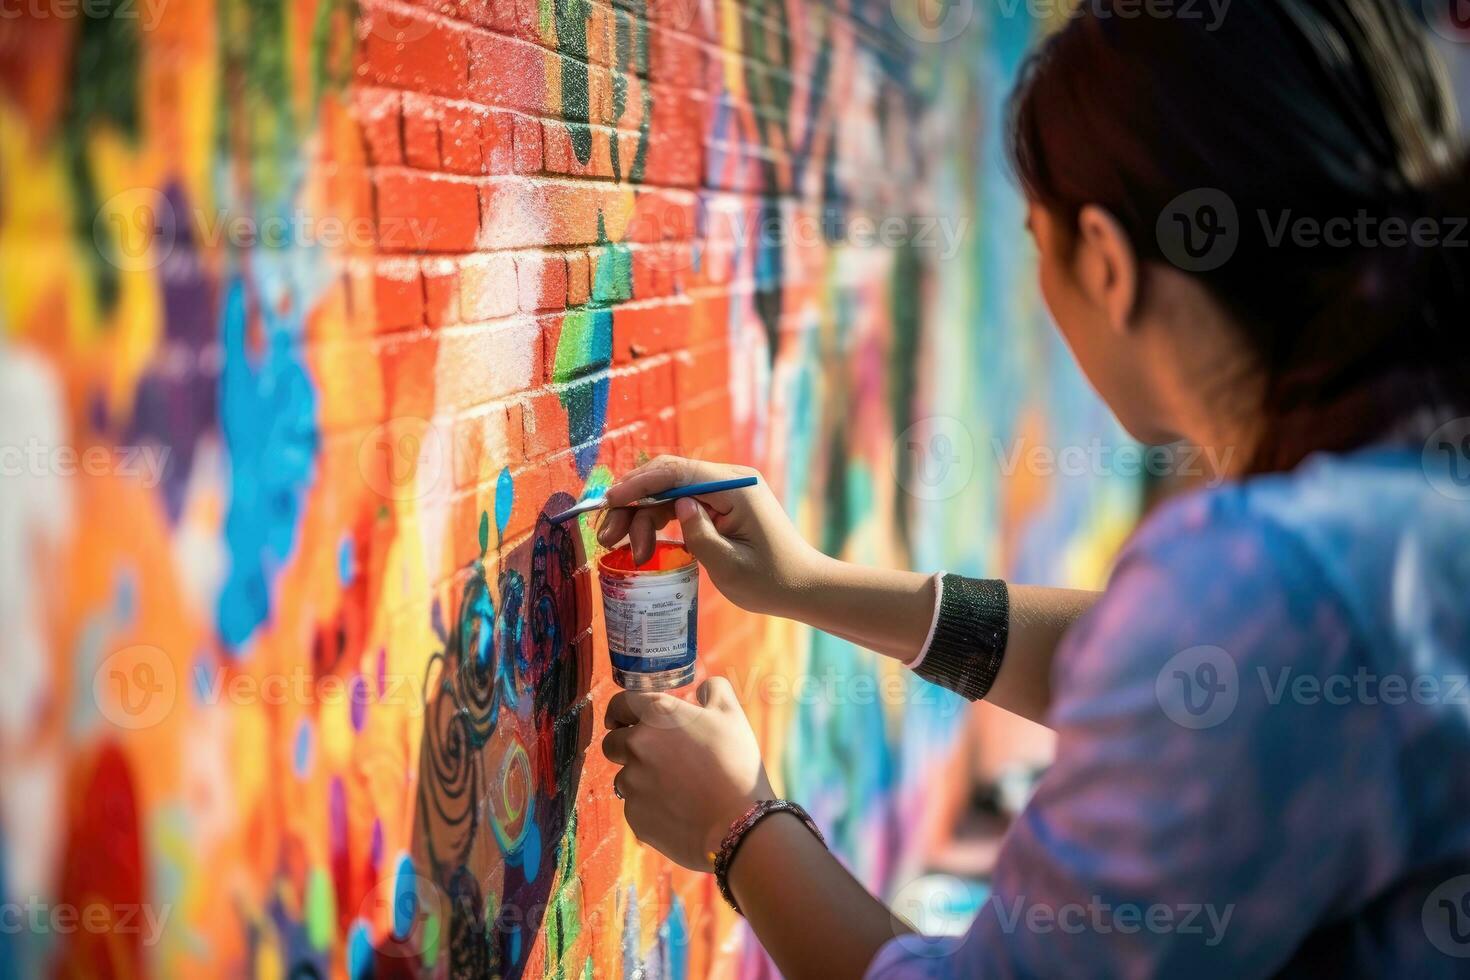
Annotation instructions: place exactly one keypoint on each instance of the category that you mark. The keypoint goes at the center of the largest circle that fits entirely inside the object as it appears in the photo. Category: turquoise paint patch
(405, 898)
(346, 560)
(359, 951)
(301, 752)
(505, 494)
(673, 941)
(268, 417)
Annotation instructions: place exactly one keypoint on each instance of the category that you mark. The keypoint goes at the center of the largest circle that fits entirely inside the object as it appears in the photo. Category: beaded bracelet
(736, 836)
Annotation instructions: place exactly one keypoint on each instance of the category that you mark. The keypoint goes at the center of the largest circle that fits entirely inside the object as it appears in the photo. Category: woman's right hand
(752, 551)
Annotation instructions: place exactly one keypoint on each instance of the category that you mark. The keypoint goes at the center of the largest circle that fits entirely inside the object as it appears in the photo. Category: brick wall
(312, 311)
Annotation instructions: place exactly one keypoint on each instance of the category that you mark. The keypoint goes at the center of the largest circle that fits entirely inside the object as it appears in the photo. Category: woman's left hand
(689, 769)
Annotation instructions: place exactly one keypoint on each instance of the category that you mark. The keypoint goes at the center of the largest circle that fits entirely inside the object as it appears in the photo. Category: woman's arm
(891, 612)
(758, 559)
(690, 770)
(812, 916)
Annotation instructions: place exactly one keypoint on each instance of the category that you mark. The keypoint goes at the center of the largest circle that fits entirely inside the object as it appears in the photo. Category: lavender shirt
(1263, 756)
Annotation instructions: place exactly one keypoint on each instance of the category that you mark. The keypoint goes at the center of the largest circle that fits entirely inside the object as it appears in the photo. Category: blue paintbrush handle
(695, 489)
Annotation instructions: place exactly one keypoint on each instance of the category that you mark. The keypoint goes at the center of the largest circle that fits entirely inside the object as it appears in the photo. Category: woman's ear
(1107, 267)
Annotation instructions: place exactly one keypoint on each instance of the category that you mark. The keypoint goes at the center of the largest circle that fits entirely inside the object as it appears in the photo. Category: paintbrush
(693, 490)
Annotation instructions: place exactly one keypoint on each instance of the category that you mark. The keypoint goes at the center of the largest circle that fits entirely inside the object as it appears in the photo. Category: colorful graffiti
(310, 312)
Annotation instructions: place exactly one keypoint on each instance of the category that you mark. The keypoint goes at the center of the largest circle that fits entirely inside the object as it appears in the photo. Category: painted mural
(311, 311)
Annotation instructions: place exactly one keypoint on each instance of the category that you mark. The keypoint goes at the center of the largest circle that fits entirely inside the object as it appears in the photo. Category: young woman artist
(1324, 834)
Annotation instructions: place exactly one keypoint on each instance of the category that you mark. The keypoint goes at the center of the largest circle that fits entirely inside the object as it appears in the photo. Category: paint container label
(651, 613)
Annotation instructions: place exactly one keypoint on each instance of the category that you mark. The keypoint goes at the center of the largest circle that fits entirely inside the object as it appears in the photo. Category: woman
(1263, 732)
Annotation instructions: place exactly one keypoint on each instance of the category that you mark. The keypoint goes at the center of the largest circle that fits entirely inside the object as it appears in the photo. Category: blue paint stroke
(505, 494)
(268, 417)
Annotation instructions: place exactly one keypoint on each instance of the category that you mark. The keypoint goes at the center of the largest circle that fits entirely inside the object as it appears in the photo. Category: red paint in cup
(649, 614)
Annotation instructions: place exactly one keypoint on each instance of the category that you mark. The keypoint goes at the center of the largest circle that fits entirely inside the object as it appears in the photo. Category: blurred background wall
(310, 311)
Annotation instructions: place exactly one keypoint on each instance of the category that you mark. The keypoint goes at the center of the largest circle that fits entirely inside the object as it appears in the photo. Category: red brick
(676, 155)
(483, 364)
(623, 400)
(680, 16)
(528, 21)
(651, 279)
(579, 281)
(441, 291)
(398, 294)
(424, 213)
(657, 384)
(699, 373)
(537, 214)
(542, 282)
(420, 132)
(483, 446)
(561, 158)
(703, 422)
(544, 424)
(498, 149)
(528, 144)
(461, 140)
(488, 287)
(509, 73)
(407, 48)
(379, 114)
(641, 331)
(533, 489)
(408, 376)
(485, 13)
(674, 59)
(601, 35)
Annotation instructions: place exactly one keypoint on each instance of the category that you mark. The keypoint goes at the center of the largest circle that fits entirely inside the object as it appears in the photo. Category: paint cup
(649, 612)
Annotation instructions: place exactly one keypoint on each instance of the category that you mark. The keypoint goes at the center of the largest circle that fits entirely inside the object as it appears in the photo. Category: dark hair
(1291, 109)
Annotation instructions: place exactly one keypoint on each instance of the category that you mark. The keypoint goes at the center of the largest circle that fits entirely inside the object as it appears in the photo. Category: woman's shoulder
(1369, 530)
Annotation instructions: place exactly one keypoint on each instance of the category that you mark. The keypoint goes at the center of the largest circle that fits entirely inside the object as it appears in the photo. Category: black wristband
(970, 635)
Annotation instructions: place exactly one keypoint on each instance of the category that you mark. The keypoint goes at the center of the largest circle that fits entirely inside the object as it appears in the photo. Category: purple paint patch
(337, 817)
(359, 702)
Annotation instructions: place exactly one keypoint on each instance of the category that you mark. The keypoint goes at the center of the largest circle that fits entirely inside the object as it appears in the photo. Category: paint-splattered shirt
(1263, 757)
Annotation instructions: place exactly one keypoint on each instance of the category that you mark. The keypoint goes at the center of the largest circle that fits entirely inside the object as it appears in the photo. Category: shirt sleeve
(1193, 823)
